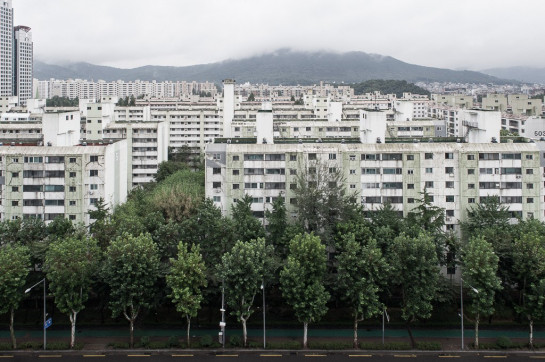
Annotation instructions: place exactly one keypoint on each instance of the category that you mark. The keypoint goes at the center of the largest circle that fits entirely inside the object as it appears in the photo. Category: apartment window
(94, 158)
(216, 185)
(217, 156)
(449, 198)
(449, 213)
(410, 157)
(72, 203)
(236, 186)
(489, 156)
(72, 160)
(410, 172)
(410, 186)
(33, 159)
(332, 156)
(429, 170)
(392, 156)
(72, 189)
(529, 200)
(72, 217)
(15, 174)
(15, 189)
(529, 157)
(293, 157)
(293, 171)
(470, 157)
(236, 158)
(216, 171)
(15, 203)
(449, 170)
(410, 200)
(529, 171)
(93, 173)
(217, 199)
(236, 172)
(428, 184)
(293, 186)
(470, 186)
(312, 156)
(352, 157)
(312, 170)
(449, 184)
(529, 186)
(428, 156)
(352, 186)
(93, 187)
(72, 174)
(471, 171)
(449, 156)
(352, 172)
(470, 200)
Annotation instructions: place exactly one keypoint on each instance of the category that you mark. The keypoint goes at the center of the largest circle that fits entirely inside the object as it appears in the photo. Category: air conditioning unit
(519, 176)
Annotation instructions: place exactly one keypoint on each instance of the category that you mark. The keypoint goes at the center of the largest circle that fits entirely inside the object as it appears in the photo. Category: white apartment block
(23, 63)
(48, 182)
(6, 48)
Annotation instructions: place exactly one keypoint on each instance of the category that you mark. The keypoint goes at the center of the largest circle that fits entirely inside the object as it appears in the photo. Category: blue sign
(48, 323)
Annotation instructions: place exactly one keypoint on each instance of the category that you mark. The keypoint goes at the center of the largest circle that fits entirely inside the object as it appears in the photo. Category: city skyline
(127, 34)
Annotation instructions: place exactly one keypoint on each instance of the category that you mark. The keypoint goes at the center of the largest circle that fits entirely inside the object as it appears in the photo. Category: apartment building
(48, 182)
(6, 48)
(23, 57)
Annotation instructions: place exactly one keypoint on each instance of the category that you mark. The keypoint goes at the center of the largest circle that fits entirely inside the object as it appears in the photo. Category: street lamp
(222, 310)
(462, 307)
(263, 290)
(45, 314)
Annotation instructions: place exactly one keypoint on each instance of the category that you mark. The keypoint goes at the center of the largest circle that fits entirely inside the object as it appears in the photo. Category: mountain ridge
(521, 74)
(282, 66)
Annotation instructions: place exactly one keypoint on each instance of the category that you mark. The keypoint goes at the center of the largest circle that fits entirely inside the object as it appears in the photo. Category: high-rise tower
(6, 48)
(22, 63)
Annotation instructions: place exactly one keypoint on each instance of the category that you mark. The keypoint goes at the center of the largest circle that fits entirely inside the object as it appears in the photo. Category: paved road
(268, 356)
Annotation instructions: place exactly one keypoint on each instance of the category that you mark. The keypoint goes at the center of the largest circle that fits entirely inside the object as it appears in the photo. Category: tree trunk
(188, 328)
(356, 331)
(413, 342)
(244, 331)
(305, 328)
(73, 316)
(477, 331)
(531, 337)
(11, 329)
(132, 332)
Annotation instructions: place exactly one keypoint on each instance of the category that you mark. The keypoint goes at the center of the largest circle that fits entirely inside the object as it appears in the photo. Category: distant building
(6, 48)
(22, 63)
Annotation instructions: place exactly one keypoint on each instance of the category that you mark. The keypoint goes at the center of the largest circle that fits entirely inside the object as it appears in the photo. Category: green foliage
(131, 269)
(14, 268)
(206, 341)
(251, 98)
(57, 101)
(173, 342)
(329, 345)
(243, 270)
(126, 102)
(397, 87)
(390, 346)
(167, 168)
(302, 278)
(480, 266)
(283, 345)
(504, 342)
(414, 262)
(361, 271)
(235, 341)
(144, 341)
(245, 225)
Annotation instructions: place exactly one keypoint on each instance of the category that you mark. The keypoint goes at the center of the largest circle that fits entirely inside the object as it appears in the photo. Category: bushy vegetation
(385, 86)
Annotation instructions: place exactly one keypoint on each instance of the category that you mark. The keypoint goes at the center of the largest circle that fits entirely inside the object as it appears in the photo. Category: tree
(131, 269)
(414, 262)
(480, 266)
(187, 277)
(243, 270)
(322, 200)
(14, 268)
(361, 270)
(251, 97)
(529, 267)
(70, 266)
(302, 280)
(245, 225)
(279, 231)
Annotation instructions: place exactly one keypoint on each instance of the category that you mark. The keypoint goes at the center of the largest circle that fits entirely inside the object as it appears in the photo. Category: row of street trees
(167, 244)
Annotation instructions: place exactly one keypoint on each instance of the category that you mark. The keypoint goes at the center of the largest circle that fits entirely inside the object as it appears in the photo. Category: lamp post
(222, 310)
(45, 314)
(462, 307)
(263, 290)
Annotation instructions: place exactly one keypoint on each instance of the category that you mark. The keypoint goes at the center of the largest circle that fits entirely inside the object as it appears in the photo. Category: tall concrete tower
(6, 48)
(22, 63)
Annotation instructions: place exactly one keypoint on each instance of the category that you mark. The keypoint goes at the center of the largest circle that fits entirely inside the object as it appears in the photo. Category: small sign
(48, 323)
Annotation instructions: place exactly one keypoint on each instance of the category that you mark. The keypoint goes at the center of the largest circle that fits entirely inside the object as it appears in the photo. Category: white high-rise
(22, 63)
(6, 48)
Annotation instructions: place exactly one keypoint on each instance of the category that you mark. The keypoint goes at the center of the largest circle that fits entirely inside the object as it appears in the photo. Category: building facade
(22, 63)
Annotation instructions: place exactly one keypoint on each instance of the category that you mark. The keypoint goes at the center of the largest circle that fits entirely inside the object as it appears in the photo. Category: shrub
(206, 340)
(158, 345)
(390, 346)
(284, 345)
(504, 342)
(144, 342)
(330, 345)
(118, 345)
(235, 341)
(5, 346)
(173, 342)
(429, 346)
(30, 345)
(58, 345)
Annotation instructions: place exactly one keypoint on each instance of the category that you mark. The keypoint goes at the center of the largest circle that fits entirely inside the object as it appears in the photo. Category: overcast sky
(456, 34)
